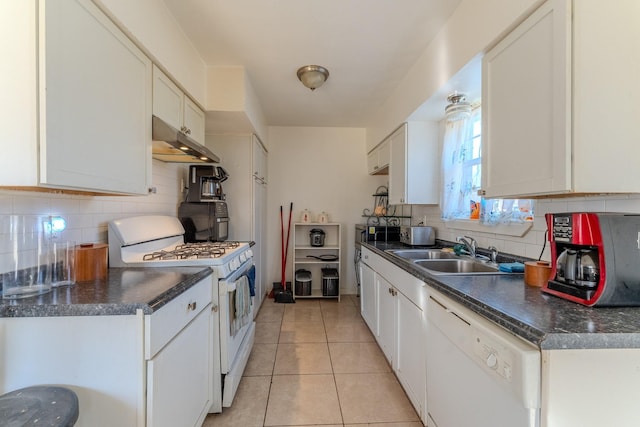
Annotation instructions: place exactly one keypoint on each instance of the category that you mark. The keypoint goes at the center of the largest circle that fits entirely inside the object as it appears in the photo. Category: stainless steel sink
(457, 266)
(421, 254)
(436, 262)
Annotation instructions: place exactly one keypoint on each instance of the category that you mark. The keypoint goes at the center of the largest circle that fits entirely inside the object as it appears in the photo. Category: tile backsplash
(86, 216)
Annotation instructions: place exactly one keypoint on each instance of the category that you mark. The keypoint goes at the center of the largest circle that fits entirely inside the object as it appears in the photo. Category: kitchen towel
(511, 267)
(242, 304)
(251, 275)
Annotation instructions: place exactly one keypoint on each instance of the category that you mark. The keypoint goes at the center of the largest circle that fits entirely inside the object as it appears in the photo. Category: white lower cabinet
(178, 381)
(399, 322)
(179, 385)
(127, 370)
(410, 363)
(387, 318)
(368, 296)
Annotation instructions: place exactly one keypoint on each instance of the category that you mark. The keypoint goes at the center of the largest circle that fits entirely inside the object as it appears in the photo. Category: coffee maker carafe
(595, 258)
(578, 266)
(205, 183)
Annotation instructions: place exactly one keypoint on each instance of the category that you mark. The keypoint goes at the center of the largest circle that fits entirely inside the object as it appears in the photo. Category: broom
(286, 295)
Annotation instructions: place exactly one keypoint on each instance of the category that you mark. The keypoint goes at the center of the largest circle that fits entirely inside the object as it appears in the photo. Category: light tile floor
(315, 362)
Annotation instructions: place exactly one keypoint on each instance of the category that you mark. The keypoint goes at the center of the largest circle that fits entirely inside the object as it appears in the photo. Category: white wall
(87, 216)
(320, 169)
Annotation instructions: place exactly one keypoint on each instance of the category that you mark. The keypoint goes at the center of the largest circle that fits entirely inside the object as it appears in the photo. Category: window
(462, 178)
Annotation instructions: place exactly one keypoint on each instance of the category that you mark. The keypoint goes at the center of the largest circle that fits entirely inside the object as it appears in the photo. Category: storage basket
(303, 282)
(330, 282)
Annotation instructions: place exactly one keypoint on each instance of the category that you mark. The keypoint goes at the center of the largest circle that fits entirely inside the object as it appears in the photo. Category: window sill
(514, 229)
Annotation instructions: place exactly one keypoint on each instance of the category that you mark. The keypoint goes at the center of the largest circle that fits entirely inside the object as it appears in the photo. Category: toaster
(417, 236)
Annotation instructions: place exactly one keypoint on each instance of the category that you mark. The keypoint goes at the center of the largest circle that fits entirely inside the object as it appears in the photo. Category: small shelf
(314, 261)
(318, 248)
(316, 293)
(303, 254)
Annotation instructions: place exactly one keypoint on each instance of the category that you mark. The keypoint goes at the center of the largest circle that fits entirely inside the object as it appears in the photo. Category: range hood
(172, 146)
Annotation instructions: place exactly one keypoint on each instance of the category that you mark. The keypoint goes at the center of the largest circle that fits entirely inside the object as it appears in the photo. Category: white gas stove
(158, 241)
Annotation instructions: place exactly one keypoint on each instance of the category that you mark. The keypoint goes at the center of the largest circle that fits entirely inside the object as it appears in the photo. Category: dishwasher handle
(446, 309)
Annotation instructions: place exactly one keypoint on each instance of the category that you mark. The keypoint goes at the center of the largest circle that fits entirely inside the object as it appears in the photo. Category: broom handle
(286, 252)
(282, 272)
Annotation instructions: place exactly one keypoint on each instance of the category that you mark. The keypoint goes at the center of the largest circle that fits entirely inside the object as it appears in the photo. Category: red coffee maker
(595, 258)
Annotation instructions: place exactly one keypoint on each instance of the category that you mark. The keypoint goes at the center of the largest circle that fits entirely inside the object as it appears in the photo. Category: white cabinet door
(398, 167)
(526, 116)
(552, 113)
(168, 99)
(386, 318)
(258, 218)
(411, 352)
(259, 161)
(414, 164)
(244, 158)
(174, 107)
(179, 388)
(95, 102)
(368, 296)
(378, 159)
(372, 162)
(193, 120)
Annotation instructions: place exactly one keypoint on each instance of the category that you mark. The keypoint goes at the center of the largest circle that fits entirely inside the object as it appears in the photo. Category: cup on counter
(63, 270)
(26, 263)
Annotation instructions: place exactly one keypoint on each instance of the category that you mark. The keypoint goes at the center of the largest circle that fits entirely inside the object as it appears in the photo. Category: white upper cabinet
(559, 98)
(378, 159)
(90, 101)
(414, 164)
(175, 108)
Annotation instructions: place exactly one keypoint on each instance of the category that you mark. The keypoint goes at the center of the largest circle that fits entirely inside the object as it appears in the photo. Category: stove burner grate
(201, 250)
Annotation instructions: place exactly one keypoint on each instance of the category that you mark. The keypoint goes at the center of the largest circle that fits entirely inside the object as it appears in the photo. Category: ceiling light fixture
(313, 76)
(458, 107)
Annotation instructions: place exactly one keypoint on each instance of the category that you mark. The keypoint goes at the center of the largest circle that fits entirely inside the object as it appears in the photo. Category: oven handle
(230, 282)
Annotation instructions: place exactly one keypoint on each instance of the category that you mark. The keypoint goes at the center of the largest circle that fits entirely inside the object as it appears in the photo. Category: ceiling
(367, 45)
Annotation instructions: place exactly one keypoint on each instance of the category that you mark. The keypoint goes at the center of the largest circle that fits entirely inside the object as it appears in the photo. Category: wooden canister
(536, 273)
(91, 262)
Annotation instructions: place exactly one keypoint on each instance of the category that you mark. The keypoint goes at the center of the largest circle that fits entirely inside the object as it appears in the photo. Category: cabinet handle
(188, 131)
(482, 192)
(192, 306)
(214, 308)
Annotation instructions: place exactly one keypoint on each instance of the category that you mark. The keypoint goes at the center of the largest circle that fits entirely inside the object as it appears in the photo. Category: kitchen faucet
(469, 243)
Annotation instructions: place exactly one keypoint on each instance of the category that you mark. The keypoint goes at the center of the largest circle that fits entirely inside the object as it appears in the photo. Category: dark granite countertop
(544, 320)
(123, 292)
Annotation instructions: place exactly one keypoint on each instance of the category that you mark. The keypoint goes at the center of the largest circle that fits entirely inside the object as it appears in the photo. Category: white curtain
(457, 184)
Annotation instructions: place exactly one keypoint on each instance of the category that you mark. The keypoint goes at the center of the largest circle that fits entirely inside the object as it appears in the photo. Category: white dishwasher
(478, 374)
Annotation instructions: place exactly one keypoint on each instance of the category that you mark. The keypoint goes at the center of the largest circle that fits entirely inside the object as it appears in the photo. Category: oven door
(237, 329)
